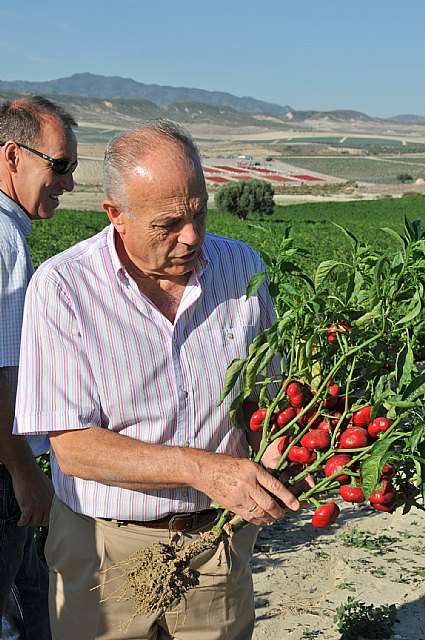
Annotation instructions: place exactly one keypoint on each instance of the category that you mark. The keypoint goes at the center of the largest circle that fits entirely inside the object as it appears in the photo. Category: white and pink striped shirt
(96, 352)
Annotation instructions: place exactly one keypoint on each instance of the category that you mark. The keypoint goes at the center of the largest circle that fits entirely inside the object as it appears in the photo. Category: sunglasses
(59, 165)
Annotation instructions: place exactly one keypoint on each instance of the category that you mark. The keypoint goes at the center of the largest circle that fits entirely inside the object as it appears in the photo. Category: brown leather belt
(175, 521)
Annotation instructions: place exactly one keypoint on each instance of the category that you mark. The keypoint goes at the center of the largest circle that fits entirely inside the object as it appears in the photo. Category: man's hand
(33, 489)
(34, 493)
(245, 488)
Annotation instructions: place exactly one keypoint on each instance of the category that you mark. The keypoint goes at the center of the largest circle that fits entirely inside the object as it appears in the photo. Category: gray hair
(125, 151)
(23, 119)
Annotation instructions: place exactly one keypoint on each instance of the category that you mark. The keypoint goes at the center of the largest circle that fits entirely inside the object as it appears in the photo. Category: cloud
(9, 46)
(9, 14)
(38, 59)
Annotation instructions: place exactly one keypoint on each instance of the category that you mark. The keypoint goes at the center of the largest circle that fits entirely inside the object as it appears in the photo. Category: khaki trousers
(80, 548)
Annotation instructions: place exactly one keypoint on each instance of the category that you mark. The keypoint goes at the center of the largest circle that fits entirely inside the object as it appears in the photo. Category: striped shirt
(97, 352)
(16, 269)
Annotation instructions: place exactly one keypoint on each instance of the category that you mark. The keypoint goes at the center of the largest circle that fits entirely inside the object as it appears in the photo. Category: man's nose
(67, 181)
(189, 235)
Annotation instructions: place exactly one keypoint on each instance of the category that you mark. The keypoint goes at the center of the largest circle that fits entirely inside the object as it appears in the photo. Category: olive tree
(240, 198)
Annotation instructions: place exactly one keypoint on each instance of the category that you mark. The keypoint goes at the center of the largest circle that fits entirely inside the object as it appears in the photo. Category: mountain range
(98, 86)
(129, 98)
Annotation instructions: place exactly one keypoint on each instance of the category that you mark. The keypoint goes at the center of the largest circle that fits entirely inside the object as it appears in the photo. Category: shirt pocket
(232, 342)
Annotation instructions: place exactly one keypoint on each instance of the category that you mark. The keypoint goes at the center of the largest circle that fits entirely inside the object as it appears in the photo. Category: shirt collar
(13, 211)
(200, 265)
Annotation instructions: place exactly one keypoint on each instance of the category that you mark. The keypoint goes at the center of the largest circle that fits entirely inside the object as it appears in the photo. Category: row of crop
(311, 223)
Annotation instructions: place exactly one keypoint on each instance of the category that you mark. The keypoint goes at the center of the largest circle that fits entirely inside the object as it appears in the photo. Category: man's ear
(114, 214)
(11, 156)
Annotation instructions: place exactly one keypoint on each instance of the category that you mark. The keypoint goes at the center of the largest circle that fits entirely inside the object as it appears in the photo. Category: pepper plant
(346, 339)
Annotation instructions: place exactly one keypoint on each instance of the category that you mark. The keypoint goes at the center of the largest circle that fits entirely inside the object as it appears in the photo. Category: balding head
(161, 141)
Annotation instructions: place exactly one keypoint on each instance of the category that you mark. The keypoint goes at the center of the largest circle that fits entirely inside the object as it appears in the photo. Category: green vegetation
(311, 223)
(242, 198)
(404, 177)
(49, 237)
(356, 620)
(313, 229)
(360, 169)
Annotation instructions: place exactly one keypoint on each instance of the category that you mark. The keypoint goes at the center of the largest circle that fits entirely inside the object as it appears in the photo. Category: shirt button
(185, 443)
(230, 335)
(184, 393)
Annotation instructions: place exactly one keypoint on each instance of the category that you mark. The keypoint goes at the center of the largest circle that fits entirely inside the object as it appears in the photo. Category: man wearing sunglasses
(38, 153)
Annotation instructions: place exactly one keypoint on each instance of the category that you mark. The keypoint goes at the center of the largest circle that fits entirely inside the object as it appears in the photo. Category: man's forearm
(115, 459)
(110, 458)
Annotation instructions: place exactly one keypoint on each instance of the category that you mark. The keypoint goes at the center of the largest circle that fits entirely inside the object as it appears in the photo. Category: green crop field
(371, 169)
(311, 223)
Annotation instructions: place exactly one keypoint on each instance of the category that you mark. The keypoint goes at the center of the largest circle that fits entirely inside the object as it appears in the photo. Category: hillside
(121, 102)
(98, 86)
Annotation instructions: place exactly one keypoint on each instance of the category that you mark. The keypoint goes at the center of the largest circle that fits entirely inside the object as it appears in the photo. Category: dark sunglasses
(59, 165)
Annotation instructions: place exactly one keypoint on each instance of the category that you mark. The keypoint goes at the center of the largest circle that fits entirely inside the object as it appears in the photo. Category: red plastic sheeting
(276, 178)
(233, 169)
(217, 179)
(261, 170)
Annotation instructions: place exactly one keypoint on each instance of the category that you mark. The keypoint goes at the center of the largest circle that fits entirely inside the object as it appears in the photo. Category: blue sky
(367, 55)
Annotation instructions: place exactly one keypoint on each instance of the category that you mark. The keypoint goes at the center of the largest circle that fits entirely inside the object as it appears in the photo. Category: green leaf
(395, 235)
(257, 342)
(416, 388)
(415, 311)
(265, 258)
(255, 283)
(375, 313)
(349, 235)
(371, 467)
(232, 374)
(412, 229)
(237, 417)
(324, 269)
(417, 436)
(252, 369)
(404, 365)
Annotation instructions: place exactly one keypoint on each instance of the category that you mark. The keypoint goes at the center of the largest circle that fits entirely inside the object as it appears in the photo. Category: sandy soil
(302, 574)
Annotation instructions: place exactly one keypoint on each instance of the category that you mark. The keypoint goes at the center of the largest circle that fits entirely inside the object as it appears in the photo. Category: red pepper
(361, 418)
(340, 327)
(325, 515)
(350, 493)
(316, 440)
(388, 471)
(384, 495)
(255, 423)
(354, 438)
(378, 425)
(387, 508)
(336, 463)
(299, 454)
(285, 416)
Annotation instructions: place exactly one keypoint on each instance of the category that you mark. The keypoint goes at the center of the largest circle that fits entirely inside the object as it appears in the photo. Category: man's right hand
(244, 487)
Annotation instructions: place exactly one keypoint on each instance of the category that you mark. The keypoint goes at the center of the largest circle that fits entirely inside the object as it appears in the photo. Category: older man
(38, 152)
(127, 338)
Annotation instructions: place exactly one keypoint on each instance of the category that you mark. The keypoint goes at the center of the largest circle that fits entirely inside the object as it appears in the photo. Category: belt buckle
(188, 521)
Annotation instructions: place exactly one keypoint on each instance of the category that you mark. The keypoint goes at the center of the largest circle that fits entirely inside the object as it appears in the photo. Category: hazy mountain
(124, 101)
(409, 119)
(98, 86)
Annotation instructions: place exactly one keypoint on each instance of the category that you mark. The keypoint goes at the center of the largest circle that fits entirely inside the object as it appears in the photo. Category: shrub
(404, 177)
(240, 198)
